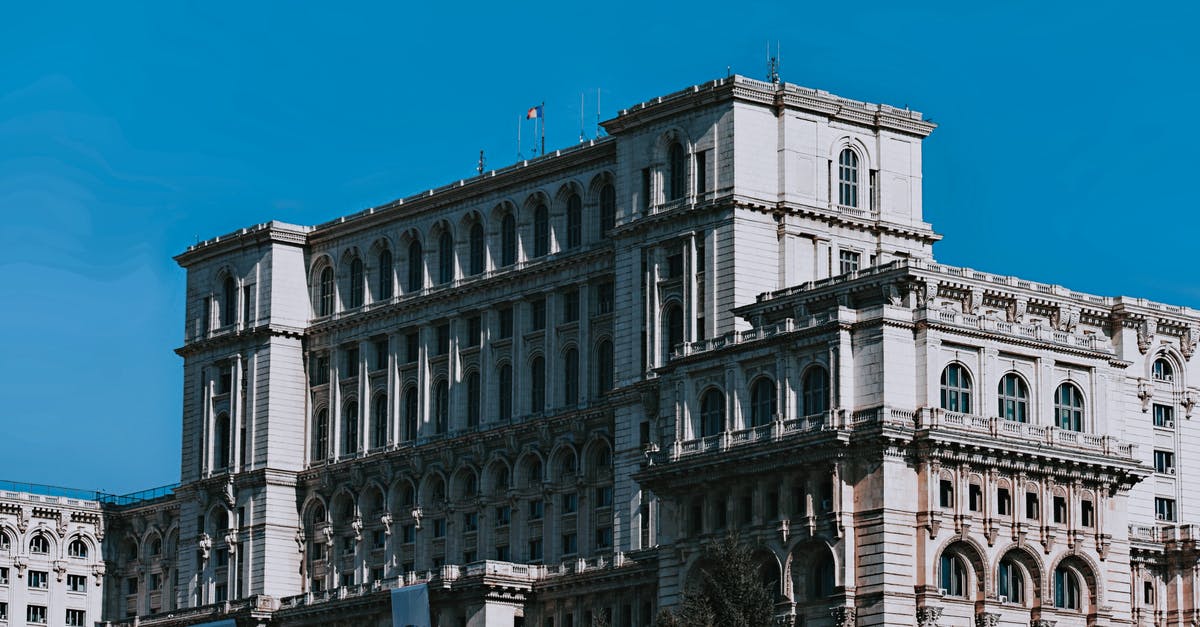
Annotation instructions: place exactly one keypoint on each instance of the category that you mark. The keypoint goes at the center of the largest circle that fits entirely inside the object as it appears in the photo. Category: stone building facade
(542, 389)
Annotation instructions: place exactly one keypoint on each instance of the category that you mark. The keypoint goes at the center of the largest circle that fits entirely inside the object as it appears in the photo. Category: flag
(534, 113)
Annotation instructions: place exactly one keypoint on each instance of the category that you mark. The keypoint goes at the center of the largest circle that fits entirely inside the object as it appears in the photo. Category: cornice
(266, 232)
(239, 338)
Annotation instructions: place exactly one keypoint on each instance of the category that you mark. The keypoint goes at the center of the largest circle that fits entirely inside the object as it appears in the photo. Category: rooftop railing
(52, 493)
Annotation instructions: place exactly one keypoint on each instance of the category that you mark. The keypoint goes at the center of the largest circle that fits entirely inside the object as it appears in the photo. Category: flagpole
(543, 127)
(519, 138)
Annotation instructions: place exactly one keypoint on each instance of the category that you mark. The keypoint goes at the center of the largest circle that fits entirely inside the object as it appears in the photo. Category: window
(473, 400)
(536, 507)
(416, 269)
(39, 579)
(224, 444)
(570, 544)
(604, 496)
(410, 414)
(3, 611)
(350, 428)
(1087, 514)
(675, 266)
(608, 207)
(1164, 509)
(155, 582)
(674, 318)
(77, 548)
(445, 258)
(676, 171)
(441, 407)
(945, 493)
(385, 274)
(474, 331)
(571, 377)
(537, 314)
(1164, 462)
(443, 338)
(956, 389)
(39, 545)
(506, 323)
(35, 614)
(476, 254)
(1011, 582)
(570, 306)
(1003, 502)
(1014, 398)
(228, 301)
(321, 436)
(5, 542)
(604, 538)
(535, 550)
(439, 527)
(351, 355)
(604, 298)
(508, 240)
(815, 387)
(848, 261)
(848, 178)
(712, 413)
(537, 385)
(503, 515)
(1032, 507)
(574, 221)
(646, 200)
(1060, 510)
(604, 366)
(701, 171)
(505, 393)
(823, 578)
(381, 353)
(224, 378)
(379, 422)
(1164, 416)
(502, 553)
(408, 535)
(953, 576)
(570, 502)
(319, 373)
(356, 283)
(412, 346)
(325, 291)
(1162, 370)
(470, 522)
(762, 402)
(221, 593)
(4, 576)
(541, 231)
(1066, 590)
(975, 498)
(1068, 407)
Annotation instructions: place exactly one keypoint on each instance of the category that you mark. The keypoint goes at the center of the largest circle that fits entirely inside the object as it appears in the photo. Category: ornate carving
(357, 526)
(987, 619)
(974, 301)
(301, 539)
(98, 571)
(1016, 312)
(930, 294)
(227, 493)
(327, 532)
(1068, 319)
(22, 520)
(1145, 334)
(1041, 622)
(1187, 342)
(1188, 401)
(928, 616)
(386, 520)
(1145, 393)
(892, 294)
(843, 616)
(204, 543)
(62, 527)
(416, 515)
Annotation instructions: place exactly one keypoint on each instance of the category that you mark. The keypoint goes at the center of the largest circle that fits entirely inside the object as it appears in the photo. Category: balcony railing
(1010, 429)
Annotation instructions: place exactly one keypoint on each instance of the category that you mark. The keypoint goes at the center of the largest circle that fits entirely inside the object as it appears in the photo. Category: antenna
(482, 163)
(772, 65)
(582, 135)
(598, 129)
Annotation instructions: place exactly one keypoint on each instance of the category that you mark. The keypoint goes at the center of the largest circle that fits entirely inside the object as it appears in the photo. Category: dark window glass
(379, 422)
(505, 393)
(441, 407)
(506, 323)
(1068, 407)
(676, 172)
(356, 283)
(508, 240)
(848, 178)
(762, 402)
(570, 306)
(229, 302)
(350, 428)
(325, 291)
(321, 435)
(445, 258)
(815, 391)
(537, 314)
(412, 346)
(608, 207)
(571, 377)
(541, 231)
(410, 414)
(574, 221)
(473, 399)
(476, 264)
(416, 266)
(712, 413)
(604, 366)
(537, 385)
(385, 275)
(956, 389)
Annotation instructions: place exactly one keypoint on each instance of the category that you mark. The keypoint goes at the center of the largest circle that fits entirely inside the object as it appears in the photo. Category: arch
(80, 546)
(350, 424)
(770, 571)
(385, 274)
(530, 471)
(497, 476)
(441, 406)
(476, 249)
(314, 511)
(320, 446)
(432, 491)
(464, 483)
(762, 401)
(537, 384)
(412, 418)
(504, 404)
(564, 462)
(605, 194)
(673, 319)
(574, 219)
(345, 508)
(355, 283)
(814, 395)
(445, 255)
(415, 264)
(604, 366)
(712, 412)
(402, 496)
(321, 286)
(1013, 395)
(474, 399)
(541, 230)
(570, 370)
(848, 177)
(41, 543)
(1165, 367)
(956, 388)
(597, 457)
(151, 545)
(129, 551)
(6, 537)
(509, 252)
(228, 301)
(379, 419)
(1072, 584)
(1019, 576)
(1068, 407)
(812, 571)
(217, 521)
(223, 442)
(675, 179)
(961, 569)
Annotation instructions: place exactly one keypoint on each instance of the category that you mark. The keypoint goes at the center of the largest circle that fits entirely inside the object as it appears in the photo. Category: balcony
(1037, 333)
(999, 428)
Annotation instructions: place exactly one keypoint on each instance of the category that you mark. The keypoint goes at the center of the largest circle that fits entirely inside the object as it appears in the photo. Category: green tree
(729, 591)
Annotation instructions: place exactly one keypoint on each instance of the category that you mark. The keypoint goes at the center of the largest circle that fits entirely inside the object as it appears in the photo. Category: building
(543, 388)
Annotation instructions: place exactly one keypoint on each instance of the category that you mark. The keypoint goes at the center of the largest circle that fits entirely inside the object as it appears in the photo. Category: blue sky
(1065, 153)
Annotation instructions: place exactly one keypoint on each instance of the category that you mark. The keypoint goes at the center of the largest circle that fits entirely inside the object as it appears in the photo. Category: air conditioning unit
(1169, 423)
(1160, 516)
(1171, 471)
(942, 591)
(1003, 599)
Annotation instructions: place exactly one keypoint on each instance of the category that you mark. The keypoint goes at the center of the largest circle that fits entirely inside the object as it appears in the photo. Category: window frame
(1069, 407)
(956, 388)
(848, 179)
(1013, 398)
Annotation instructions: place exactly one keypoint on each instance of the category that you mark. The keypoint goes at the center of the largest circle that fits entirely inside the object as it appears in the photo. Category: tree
(729, 591)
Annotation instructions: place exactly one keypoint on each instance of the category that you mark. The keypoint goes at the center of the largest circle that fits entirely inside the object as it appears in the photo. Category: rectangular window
(4, 576)
(604, 496)
(412, 346)
(1003, 502)
(377, 573)
(439, 527)
(320, 370)
(604, 298)
(1164, 416)
(470, 522)
(535, 550)
(380, 538)
(39, 579)
(1164, 509)
(1087, 514)
(351, 354)
(224, 378)
(131, 585)
(570, 304)
(675, 266)
(644, 433)
(570, 503)
(222, 593)
(474, 330)
(536, 509)
(1031, 506)
(503, 515)
(155, 581)
(3, 611)
(247, 310)
(1060, 510)
(537, 314)
(408, 534)
(35, 614)
(1164, 462)
(381, 353)
(701, 171)
(502, 553)
(646, 189)
(569, 544)
(945, 493)
(443, 338)
(975, 498)
(468, 557)
(76, 618)
(849, 261)
(506, 323)
(222, 560)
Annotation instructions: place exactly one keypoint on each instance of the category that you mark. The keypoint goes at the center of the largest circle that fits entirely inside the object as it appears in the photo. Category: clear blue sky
(1066, 153)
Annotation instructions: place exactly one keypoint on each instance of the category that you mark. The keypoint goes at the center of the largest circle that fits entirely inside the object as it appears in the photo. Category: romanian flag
(534, 113)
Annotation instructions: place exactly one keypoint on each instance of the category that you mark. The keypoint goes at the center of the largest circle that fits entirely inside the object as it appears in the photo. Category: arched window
(350, 428)
(541, 231)
(473, 400)
(712, 413)
(223, 444)
(385, 274)
(537, 385)
(608, 207)
(416, 268)
(1014, 398)
(815, 386)
(571, 377)
(508, 240)
(574, 221)
(848, 178)
(356, 283)
(823, 578)
(956, 389)
(228, 301)
(410, 414)
(325, 291)
(1067, 593)
(39, 544)
(674, 318)
(5, 542)
(445, 258)
(604, 367)
(953, 575)
(1068, 407)
(476, 244)
(676, 172)
(77, 548)
(1011, 582)
(156, 547)
(321, 436)
(505, 393)
(441, 409)
(762, 402)
(1162, 370)
(379, 422)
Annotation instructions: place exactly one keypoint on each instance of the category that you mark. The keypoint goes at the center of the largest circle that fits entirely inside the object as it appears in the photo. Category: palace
(541, 390)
